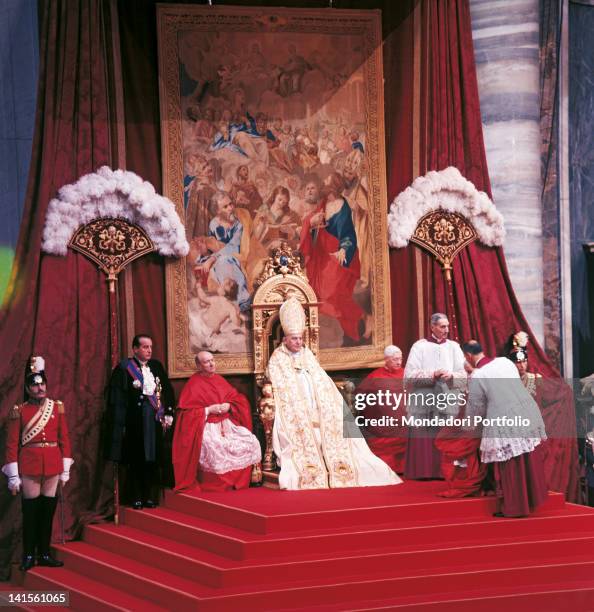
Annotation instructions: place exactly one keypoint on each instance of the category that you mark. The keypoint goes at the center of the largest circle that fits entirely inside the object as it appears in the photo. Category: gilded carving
(111, 243)
(444, 234)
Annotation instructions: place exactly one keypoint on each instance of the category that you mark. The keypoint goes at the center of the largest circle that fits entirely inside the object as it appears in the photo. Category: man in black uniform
(141, 406)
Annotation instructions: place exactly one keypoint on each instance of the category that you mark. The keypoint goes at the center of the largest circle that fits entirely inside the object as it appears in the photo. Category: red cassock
(391, 446)
(199, 393)
(456, 444)
(36, 460)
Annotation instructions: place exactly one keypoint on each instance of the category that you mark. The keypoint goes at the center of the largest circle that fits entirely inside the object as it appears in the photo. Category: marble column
(581, 181)
(506, 47)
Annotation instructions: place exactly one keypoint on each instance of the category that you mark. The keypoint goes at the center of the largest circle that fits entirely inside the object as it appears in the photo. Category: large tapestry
(272, 132)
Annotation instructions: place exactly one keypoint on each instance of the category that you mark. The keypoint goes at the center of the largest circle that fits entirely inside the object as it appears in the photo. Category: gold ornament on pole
(112, 244)
(444, 234)
(128, 220)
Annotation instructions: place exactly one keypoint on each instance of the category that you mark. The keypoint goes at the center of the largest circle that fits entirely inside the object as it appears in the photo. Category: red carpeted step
(178, 558)
(216, 571)
(165, 588)
(405, 591)
(338, 549)
(347, 508)
(237, 544)
(576, 596)
(194, 531)
(85, 594)
(204, 508)
(141, 580)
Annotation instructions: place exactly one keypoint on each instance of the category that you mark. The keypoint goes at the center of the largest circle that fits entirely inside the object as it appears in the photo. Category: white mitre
(292, 317)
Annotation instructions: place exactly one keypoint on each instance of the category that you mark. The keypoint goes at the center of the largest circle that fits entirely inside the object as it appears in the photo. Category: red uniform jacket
(38, 461)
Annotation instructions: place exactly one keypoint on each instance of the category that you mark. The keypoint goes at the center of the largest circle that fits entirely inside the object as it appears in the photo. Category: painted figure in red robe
(213, 446)
(329, 246)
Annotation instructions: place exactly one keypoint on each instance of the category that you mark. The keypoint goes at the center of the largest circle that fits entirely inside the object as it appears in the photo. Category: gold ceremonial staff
(112, 244)
(444, 234)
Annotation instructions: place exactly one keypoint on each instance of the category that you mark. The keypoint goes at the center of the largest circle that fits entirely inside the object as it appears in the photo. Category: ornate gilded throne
(282, 278)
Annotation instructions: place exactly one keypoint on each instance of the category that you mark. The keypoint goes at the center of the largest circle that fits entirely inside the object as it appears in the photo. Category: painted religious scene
(276, 142)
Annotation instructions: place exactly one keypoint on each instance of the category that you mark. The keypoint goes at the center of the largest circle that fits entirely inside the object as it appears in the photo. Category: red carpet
(352, 549)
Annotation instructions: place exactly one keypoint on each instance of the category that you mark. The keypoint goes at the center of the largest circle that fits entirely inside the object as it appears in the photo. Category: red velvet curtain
(449, 134)
(446, 123)
(57, 306)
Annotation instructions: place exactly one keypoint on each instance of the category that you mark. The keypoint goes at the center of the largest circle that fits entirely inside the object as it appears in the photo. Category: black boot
(44, 534)
(135, 485)
(150, 494)
(30, 523)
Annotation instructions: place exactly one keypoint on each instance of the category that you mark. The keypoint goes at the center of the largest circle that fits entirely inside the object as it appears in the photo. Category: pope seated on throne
(308, 432)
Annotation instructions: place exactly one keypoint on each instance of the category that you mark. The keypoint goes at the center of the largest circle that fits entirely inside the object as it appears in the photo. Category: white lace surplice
(370, 470)
(226, 447)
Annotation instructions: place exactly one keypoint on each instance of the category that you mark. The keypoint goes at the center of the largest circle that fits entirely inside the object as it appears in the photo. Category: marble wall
(581, 181)
(506, 45)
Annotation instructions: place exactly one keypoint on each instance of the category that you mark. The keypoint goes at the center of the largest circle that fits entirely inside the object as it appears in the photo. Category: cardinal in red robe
(460, 458)
(387, 442)
(460, 461)
(213, 446)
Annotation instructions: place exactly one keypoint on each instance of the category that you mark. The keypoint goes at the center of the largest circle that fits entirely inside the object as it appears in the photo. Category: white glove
(66, 464)
(11, 471)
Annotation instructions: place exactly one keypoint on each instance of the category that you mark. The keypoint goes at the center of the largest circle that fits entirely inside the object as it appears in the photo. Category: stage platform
(399, 547)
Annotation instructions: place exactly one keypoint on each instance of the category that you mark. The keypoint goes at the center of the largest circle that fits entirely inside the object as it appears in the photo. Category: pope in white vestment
(309, 427)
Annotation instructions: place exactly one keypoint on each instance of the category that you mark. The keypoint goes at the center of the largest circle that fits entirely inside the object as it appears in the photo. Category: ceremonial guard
(517, 351)
(557, 407)
(38, 458)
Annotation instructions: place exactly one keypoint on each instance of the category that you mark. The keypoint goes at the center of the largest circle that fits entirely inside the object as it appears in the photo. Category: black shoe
(49, 561)
(149, 503)
(27, 563)
(137, 505)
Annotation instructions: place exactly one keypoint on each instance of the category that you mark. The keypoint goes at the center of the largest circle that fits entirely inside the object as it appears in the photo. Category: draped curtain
(442, 120)
(57, 306)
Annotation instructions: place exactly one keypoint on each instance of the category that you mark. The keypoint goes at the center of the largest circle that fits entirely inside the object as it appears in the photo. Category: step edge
(351, 554)
(308, 584)
(136, 575)
(92, 596)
